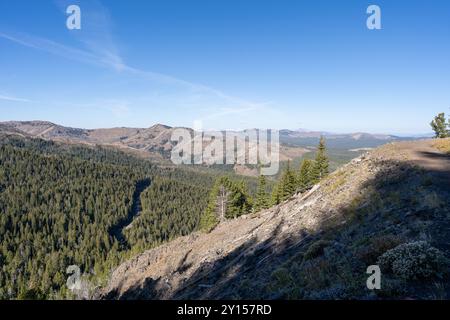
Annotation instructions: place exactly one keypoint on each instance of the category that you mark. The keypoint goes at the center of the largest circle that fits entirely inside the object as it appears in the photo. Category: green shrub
(281, 277)
(316, 249)
(376, 246)
(414, 260)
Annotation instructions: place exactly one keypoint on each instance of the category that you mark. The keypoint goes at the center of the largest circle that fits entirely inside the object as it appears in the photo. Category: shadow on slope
(401, 204)
(117, 230)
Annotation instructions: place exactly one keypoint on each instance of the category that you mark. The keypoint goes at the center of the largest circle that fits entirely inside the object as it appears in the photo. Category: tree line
(230, 198)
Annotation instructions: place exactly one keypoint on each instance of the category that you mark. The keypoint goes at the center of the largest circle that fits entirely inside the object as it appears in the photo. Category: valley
(142, 228)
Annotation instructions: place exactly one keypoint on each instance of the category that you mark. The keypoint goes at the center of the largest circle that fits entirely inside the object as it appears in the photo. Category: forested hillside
(59, 204)
(94, 207)
(170, 208)
(56, 211)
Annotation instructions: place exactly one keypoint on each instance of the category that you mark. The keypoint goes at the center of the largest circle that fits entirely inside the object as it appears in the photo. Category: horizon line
(304, 130)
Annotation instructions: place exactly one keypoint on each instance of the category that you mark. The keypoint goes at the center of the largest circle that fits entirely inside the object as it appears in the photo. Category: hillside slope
(154, 142)
(317, 245)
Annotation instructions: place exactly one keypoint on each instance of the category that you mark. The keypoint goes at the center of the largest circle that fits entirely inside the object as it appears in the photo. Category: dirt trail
(425, 155)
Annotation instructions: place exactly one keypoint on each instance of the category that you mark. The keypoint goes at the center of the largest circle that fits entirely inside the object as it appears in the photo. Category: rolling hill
(155, 142)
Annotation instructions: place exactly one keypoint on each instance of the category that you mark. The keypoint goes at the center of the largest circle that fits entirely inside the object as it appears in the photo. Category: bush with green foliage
(414, 260)
(316, 249)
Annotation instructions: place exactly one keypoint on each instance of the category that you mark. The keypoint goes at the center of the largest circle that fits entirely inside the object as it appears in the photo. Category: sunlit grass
(442, 145)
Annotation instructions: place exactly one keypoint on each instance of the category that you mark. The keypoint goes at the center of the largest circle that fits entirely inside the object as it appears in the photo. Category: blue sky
(230, 64)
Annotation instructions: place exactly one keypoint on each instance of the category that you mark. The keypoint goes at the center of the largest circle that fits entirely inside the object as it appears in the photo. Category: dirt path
(425, 155)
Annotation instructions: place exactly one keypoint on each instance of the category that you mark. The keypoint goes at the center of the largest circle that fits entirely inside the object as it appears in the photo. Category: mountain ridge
(316, 245)
(155, 142)
(160, 126)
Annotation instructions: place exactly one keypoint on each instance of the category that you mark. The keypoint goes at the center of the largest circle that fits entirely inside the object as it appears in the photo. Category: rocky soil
(316, 245)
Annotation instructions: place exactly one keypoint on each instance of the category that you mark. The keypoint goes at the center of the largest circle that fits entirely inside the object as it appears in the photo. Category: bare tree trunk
(222, 203)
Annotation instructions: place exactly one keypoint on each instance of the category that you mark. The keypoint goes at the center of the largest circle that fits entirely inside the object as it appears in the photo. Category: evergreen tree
(246, 201)
(275, 198)
(286, 187)
(321, 165)
(305, 176)
(238, 201)
(261, 199)
(210, 218)
(439, 126)
(228, 199)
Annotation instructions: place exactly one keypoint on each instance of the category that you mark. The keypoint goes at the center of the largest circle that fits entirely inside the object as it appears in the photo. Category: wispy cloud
(109, 60)
(14, 99)
(98, 48)
(52, 47)
(96, 34)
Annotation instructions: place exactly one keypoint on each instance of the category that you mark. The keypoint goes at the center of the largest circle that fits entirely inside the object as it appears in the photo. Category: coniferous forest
(94, 207)
(60, 203)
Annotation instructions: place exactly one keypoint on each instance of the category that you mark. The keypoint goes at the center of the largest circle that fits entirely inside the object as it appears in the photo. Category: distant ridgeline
(59, 204)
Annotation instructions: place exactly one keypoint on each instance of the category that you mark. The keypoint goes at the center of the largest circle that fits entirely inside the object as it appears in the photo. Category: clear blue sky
(229, 63)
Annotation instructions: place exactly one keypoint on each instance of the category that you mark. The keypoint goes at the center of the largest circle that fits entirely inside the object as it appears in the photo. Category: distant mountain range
(302, 133)
(305, 138)
(155, 140)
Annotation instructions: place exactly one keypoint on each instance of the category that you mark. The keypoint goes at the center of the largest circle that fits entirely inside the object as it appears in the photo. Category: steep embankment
(318, 245)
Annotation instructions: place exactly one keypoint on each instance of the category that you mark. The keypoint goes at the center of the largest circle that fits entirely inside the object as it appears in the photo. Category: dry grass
(442, 145)
(337, 180)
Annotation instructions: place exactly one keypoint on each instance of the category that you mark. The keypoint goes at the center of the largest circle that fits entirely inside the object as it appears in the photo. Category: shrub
(282, 277)
(414, 260)
(316, 249)
(376, 246)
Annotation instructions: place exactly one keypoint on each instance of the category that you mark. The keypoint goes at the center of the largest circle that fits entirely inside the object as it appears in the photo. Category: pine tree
(228, 199)
(286, 186)
(439, 126)
(321, 166)
(275, 198)
(261, 199)
(210, 217)
(240, 201)
(305, 176)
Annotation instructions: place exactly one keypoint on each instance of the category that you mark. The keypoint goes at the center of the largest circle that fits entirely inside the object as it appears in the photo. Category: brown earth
(397, 193)
(154, 142)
